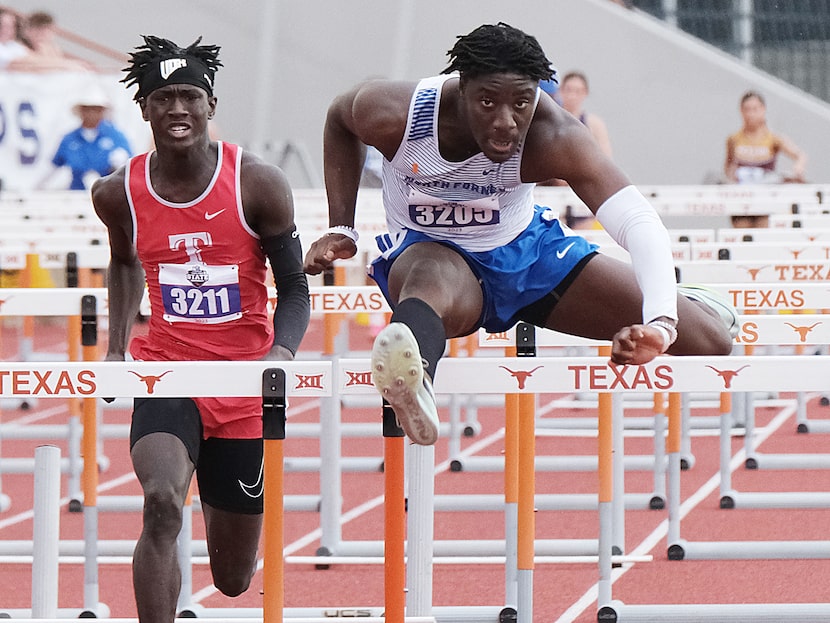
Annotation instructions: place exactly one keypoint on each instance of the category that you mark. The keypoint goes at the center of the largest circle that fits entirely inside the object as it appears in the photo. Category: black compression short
(228, 471)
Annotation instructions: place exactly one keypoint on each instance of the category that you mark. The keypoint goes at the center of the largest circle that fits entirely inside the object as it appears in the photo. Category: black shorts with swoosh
(229, 471)
(229, 474)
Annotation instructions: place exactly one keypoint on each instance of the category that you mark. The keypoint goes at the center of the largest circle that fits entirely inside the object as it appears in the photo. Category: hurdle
(798, 330)
(525, 463)
(736, 290)
(326, 301)
(655, 463)
(102, 379)
(673, 375)
(70, 298)
(615, 610)
(66, 302)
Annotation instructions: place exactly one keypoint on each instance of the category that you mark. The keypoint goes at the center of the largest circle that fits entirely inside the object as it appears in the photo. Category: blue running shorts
(512, 276)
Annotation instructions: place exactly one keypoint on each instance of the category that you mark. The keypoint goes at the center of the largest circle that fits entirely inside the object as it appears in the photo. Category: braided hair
(498, 48)
(144, 62)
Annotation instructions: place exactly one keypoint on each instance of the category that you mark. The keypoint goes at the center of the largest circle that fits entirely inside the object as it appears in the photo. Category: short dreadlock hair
(499, 48)
(145, 61)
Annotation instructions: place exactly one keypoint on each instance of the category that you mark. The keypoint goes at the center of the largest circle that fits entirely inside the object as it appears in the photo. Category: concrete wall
(669, 101)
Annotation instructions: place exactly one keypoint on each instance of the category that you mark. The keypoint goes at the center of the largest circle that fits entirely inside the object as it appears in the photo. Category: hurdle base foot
(657, 503)
(675, 552)
(751, 463)
(191, 611)
(616, 550)
(727, 501)
(456, 465)
(508, 615)
(75, 506)
(802, 428)
(471, 430)
(322, 551)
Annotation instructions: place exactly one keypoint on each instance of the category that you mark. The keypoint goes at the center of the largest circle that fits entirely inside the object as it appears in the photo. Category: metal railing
(789, 39)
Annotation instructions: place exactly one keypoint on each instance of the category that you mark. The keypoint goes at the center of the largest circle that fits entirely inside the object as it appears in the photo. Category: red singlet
(205, 273)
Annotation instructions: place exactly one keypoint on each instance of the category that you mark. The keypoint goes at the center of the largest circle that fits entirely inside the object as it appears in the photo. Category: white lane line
(42, 414)
(26, 515)
(650, 542)
(357, 511)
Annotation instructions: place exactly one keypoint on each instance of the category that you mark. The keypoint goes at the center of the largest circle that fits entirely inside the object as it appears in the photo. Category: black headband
(176, 70)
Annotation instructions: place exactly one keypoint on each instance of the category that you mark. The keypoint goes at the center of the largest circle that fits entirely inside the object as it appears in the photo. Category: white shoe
(398, 374)
(715, 302)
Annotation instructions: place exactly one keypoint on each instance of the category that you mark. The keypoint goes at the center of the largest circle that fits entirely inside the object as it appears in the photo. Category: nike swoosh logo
(212, 215)
(563, 252)
(254, 490)
(487, 171)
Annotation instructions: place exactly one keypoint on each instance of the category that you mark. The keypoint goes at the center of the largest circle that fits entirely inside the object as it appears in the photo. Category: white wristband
(668, 330)
(345, 230)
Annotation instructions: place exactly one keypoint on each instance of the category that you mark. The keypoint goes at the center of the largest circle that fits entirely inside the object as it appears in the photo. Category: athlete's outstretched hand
(324, 251)
(636, 345)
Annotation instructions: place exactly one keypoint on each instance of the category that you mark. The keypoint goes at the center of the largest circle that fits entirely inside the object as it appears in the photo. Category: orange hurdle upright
(273, 437)
(89, 450)
(394, 565)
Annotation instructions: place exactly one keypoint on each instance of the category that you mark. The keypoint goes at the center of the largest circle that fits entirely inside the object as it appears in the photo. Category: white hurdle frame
(550, 375)
(67, 302)
(675, 375)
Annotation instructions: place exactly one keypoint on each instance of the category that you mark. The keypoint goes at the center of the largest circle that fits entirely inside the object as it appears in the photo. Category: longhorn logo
(521, 376)
(727, 375)
(802, 330)
(753, 272)
(796, 253)
(149, 380)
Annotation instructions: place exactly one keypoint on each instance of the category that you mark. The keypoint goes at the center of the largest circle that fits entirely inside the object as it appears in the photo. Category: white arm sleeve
(633, 223)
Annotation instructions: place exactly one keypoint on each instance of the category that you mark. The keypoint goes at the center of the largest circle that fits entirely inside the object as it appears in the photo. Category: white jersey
(478, 204)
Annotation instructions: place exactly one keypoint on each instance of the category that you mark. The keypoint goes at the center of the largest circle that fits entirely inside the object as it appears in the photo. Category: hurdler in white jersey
(477, 204)
(467, 248)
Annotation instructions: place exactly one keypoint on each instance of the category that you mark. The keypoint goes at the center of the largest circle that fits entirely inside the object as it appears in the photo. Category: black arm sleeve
(293, 304)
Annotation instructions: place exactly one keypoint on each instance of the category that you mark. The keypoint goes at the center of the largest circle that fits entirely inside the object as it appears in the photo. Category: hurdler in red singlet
(208, 277)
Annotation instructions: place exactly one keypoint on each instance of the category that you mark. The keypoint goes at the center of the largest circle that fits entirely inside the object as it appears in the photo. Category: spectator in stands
(571, 95)
(752, 154)
(197, 220)
(752, 151)
(573, 91)
(467, 246)
(45, 54)
(11, 44)
(96, 148)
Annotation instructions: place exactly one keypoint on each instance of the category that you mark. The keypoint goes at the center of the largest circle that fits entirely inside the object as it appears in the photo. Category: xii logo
(309, 381)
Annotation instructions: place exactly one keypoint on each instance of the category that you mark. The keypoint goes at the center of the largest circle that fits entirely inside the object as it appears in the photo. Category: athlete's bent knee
(162, 513)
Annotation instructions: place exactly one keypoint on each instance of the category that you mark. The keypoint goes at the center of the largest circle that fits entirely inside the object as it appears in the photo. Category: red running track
(562, 592)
